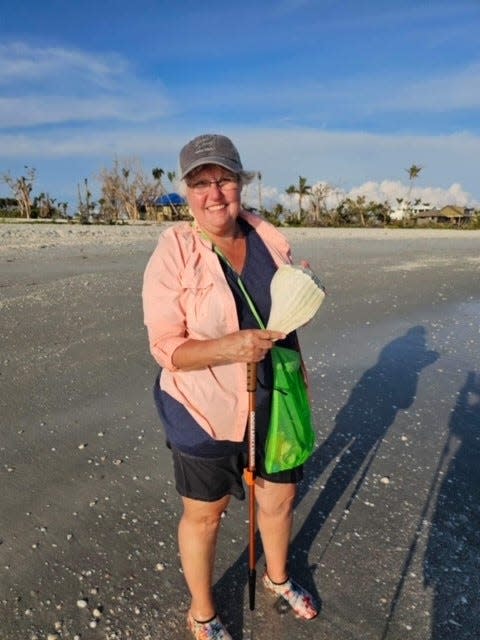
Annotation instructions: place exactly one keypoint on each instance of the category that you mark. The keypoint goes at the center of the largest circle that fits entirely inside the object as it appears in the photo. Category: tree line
(127, 193)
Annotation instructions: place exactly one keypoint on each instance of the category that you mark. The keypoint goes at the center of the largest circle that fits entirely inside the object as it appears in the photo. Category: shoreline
(20, 236)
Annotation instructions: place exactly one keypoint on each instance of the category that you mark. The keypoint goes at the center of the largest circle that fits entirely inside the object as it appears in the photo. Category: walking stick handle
(251, 376)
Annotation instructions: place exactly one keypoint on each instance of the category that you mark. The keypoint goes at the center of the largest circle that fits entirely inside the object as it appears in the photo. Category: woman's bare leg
(275, 518)
(197, 538)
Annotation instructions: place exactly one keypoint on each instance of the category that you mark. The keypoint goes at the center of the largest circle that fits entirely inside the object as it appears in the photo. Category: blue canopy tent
(168, 199)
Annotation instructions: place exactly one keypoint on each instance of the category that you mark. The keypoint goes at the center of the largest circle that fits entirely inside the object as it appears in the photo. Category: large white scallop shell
(296, 297)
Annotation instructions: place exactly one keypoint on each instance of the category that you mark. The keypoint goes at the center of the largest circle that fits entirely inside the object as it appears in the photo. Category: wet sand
(388, 517)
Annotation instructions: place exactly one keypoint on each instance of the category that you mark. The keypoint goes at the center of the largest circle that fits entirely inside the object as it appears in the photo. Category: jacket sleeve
(161, 294)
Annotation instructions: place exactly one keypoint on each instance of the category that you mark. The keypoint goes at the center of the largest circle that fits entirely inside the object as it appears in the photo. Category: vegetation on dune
(128, 194)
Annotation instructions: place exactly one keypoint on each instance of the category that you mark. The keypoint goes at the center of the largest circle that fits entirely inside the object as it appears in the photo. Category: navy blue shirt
(182, 430)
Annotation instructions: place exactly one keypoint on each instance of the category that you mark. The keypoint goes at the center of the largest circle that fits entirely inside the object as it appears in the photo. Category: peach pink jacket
(186, 295)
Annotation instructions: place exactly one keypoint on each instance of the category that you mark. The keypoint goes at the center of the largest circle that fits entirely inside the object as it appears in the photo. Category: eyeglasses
(224, 184)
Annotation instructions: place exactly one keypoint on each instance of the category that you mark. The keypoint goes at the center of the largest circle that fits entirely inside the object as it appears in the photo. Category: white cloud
(385, 191)
(43, 110)
(89, 144)
(390, 190)
(348, 161)
(456, 89)
(54, 85)
(328, 99)
(21, 62)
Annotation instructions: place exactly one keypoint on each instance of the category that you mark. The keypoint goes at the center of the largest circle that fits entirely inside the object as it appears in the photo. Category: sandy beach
(23, 236)
(387, 518)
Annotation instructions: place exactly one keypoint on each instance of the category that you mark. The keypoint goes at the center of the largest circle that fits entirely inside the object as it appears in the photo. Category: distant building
(406, 211)
(168, 199)
(450, 214)
(171, 206)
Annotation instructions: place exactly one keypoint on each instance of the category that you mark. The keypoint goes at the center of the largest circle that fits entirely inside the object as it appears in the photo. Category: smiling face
(214, 208)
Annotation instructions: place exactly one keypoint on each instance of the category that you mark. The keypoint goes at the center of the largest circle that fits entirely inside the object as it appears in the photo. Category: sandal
(297, 597)
(212, 629)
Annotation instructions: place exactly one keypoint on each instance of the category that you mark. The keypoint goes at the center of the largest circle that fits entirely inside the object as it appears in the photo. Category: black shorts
(211, 479)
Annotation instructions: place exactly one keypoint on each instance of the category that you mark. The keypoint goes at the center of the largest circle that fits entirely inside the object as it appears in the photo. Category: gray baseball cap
(210, 148)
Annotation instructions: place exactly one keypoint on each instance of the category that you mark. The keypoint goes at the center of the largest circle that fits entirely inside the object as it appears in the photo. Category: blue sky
(348, 92)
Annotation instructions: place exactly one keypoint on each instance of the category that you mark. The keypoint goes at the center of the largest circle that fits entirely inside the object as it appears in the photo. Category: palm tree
(302, 189)
(259, 178)
(157, 174)
(85, 206)
(276, 215)
(413, 173)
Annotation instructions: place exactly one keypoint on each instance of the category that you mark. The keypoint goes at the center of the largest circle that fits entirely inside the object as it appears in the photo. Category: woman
(201, 332)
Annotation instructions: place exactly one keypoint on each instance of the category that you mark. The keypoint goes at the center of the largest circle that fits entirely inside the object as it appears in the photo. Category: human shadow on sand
(452, 558)
(360, 426)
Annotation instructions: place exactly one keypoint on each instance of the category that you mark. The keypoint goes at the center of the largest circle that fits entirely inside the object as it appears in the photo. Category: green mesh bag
(290, 439)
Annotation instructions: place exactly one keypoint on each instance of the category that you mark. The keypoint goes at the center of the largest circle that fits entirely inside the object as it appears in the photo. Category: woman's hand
(246, 345)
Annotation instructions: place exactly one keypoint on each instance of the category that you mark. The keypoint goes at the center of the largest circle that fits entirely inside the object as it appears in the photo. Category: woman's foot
(298, 598)
(212, 629)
